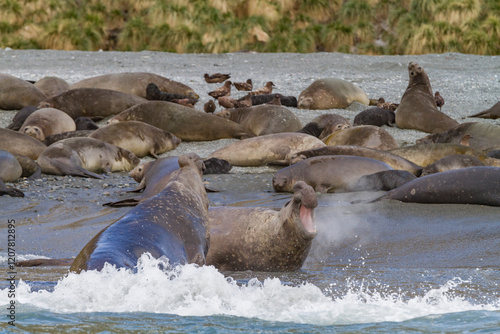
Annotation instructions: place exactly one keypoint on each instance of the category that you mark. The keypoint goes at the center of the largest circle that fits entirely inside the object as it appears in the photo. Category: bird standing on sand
(267, 89)
(439, 100)
(216, 77)
(226, 102)
(245, 101)
(276, 100)
(222, 91)
(386, 105)
(246, 86)
(209, 107)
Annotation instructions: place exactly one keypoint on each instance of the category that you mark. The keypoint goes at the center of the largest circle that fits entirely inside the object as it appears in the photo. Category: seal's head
(33, 131)
(281, 182)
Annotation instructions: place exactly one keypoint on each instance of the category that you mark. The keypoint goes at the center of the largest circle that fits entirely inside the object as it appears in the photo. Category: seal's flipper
(75, 170)
(125, 202)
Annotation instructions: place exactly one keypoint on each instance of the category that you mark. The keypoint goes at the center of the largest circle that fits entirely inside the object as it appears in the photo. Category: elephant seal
(264, 119)
(262, 239)
(451, 162)
(138, 137)
(324, 125)
(330, 93)
(287, 101)
(135, 83)
(52, 86)
(363, 135)
(10, 169)
(16, 93)
(185, 123)
(329, 173)
(484, 137)
(18, 143)
(472, 185)
(393, 160)
(31, 169)
(262, 150)
(174, 224)
(375, 116)
(20, 117)
(92, 102)
(492, 113)
(418, 109)
(45, 122)
(383, 181)
(65, 135)
(85, 157)
(85, 123)
(10, 191)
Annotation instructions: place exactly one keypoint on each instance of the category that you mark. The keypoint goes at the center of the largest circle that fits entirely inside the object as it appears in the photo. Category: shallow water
(383, 267)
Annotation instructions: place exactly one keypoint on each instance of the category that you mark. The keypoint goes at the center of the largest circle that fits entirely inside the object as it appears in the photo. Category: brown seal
(451, 162)
(493, 112)
(262, 239)
(174, 224)
(52, 86)
(65, 135)
(19, 143)
(324, 125)
(20, 117)
(46, 122)
(418, 109)
(16, 93)
(331, 93)
(363, 135)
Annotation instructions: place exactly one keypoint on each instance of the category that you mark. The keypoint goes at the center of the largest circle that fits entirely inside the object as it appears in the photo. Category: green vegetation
(374, 27)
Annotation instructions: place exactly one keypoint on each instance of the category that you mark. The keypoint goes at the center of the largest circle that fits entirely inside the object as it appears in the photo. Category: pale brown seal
(418, 109)
(10, 169)
(451, 162)
(326, 125)
(52, 86)
(16, 93)
(493, 112)
(20, 117)
(363, 135)
(19, 143)
(46, 122)
(262, 239)
(331, 93)
(65, 135)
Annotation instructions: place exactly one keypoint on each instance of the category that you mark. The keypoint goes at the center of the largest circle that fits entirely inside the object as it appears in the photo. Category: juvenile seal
(16, 142)
(135, 83)
(329, 173)
(10, 169)
(174, 224)
(263, 119)
(92, 102)
(85, 157)
(20, 117)
(326, 125)
(451, 162)
(418, 109)
(65, 135)
(46, 122)
(85, 123)
(16, 93)
(287, 101)
(492, 113)
(52, 86)
(185, 123)
(331, 93)
(363, 135)
(375, 116)
(262, 239)
(153, 93)
(259, 151)
(138, 137)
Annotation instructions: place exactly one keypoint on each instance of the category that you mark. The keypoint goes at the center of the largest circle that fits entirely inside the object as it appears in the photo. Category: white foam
(203, 291)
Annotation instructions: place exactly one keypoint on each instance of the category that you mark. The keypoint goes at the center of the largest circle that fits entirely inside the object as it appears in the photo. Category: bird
(222, 91)
(226, 102)
(216, 77)
(387, 105)
(245, 101)
(276, 100)
(209, 107)
(246, 86)
(439, 100)
(267, 89)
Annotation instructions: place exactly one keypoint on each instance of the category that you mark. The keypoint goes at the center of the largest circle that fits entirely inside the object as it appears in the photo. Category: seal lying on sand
(19, 143)
(84, 156)
(493, 112)
(363, 135)
(418, 109)
(12, 192)
(331, 93)
(46, 122)
(174, 224)
(451, 162)
(384, 180)
(263, 239)
(375, 116)
(52, 86)
(16, 93)
(20, 117)
(10, 169)
(324, 125)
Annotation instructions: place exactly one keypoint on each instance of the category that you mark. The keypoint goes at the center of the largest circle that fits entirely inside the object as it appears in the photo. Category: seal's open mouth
(306, 216)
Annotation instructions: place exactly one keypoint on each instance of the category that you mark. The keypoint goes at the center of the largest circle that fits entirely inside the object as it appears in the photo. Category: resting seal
(451, 162)
(331, 93)
(493, 112)
(10, 169)
(262, 239)
(13, 192)
(418, 109)
(46, 122)
(375, 116)
(16, 93)
(324, 125)
(363, 135)
(174, 224)
(52, 86)
(19, 143)
(384, 180)
(20, 117)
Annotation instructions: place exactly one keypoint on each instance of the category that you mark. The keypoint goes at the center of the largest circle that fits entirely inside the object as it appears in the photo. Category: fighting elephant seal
(174, 224)
(262, 150)
(85, 157)
(331, 93)
(16, 93)
(92, 102)
(472, 185)
(451, 162)
(363, 135)
(138, 137)
(19, 143)
(262, 239)
(329, 173)
(185, 123)
(263, 119)
(418, 109)
(135, 83)
(10, 169)
(52, 86)
(46, 122)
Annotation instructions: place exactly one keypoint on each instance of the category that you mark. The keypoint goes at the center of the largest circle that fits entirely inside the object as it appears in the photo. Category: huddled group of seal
(55, 133)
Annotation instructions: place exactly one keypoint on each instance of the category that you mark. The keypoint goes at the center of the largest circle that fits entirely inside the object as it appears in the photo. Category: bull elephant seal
(451, 162)
(393, 160)
(46, 122)
(19, 143)
(16, 93)
(52, 86)
(135, 83)
(184, 122)
(259, 151)
(262, 239)
(138, 137)
(264, 119)
(329, 173)
(174, 224)
(375, 116)
(10, 169)
(363, 135)
(331, 93)
(20, 117)
(472, 185)
(418, 109)
(92, 102)
(492, 113)
(85, 157)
